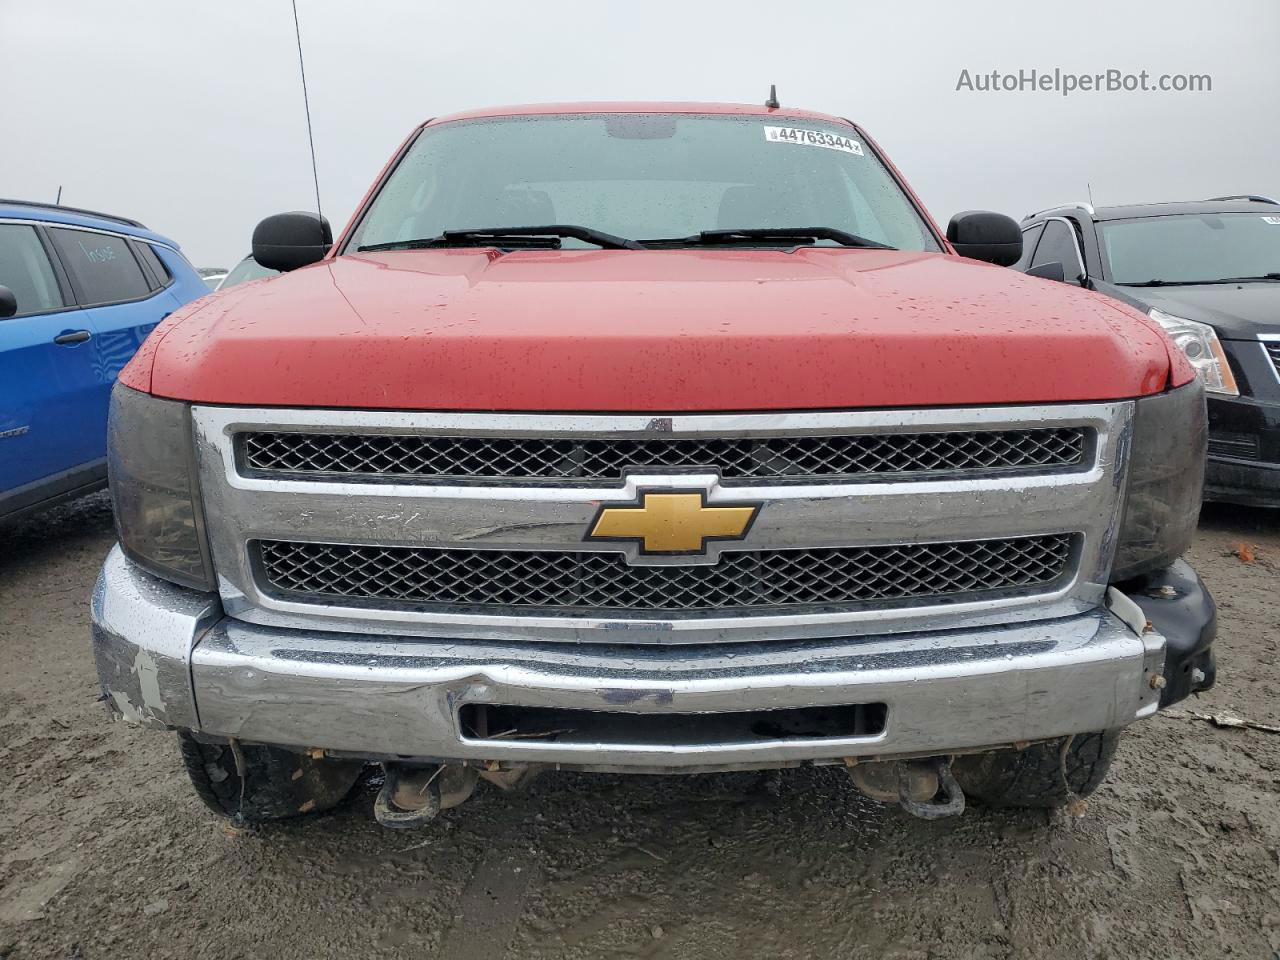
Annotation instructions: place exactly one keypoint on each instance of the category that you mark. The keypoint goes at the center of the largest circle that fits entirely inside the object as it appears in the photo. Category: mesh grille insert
(584, 459)
(1273, 351)
(603, 582)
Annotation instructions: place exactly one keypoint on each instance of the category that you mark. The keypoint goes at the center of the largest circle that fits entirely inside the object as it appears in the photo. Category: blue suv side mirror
(8, 303)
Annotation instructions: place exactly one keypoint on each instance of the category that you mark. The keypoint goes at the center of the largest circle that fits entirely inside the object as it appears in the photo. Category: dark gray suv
(1209, 272)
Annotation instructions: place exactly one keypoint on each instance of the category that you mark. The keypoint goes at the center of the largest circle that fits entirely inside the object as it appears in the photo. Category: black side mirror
(8, 303)
(291, 240)
(983, 235)
(1049, 271)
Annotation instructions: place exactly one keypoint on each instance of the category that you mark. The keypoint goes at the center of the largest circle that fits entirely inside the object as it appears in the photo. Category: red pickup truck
(654, 438)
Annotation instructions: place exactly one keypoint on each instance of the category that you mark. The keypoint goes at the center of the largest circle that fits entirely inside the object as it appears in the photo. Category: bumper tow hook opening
(912, 784)
(414, 796)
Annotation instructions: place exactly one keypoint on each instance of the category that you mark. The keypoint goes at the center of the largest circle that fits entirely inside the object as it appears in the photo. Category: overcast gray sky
(188, 116)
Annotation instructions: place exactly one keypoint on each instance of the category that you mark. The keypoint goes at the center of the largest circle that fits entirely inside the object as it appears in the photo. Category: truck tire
(277, 783)
(1048, 774)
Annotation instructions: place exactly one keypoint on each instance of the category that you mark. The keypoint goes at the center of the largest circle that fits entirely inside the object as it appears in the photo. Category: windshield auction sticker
(812, 138)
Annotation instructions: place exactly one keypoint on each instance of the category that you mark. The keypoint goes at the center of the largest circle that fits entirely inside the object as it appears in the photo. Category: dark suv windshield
(244, 271)
(642, 177)
(1192, 248)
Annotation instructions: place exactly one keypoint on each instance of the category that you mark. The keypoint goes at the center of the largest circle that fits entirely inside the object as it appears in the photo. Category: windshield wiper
(545, 237)
(1200, 283)
(772, 236)
(1263, 276)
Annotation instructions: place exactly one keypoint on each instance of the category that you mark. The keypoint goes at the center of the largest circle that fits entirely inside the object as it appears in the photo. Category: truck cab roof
(730, 109)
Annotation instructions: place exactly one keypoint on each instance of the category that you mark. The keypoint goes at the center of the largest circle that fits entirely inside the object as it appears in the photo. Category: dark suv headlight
(1166, 480)
(152, 470)
(1200, 343)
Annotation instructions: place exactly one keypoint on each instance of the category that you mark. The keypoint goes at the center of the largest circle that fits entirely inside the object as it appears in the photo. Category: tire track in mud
(489, 910)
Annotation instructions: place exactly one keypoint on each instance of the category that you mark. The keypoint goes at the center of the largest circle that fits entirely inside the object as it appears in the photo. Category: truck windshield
(1190, 249)
(642, 176)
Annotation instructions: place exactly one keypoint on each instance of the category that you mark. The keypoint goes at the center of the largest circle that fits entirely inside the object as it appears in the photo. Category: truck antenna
(772, 103)
(306, 103)
(1089, 186)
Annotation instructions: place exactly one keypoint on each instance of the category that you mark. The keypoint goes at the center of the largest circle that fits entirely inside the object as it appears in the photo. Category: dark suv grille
(1273, 351)
(604, 583)
(1241, 446)
(742, 459)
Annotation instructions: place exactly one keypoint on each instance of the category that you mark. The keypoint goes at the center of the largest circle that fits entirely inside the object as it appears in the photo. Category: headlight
(151, 467)
(1200, 343)
(1166, 480)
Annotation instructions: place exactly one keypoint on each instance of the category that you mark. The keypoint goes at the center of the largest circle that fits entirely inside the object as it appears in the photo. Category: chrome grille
(587, 459)
(603, 582)
(1273, 351)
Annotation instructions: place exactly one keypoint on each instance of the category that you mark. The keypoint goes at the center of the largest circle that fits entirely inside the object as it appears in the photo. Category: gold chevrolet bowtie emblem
(667, 523)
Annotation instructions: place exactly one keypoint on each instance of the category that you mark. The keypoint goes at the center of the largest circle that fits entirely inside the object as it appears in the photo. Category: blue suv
(79, 291)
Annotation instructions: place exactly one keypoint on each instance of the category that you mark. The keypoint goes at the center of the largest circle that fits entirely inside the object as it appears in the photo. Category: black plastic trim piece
(1178, 605)
(53, 490)
(157, 284)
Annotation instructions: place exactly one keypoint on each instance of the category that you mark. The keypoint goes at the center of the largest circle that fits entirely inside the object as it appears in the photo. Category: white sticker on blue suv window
(812, 138)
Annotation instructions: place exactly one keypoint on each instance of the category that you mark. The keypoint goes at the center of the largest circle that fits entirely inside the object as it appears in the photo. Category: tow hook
(914, 785)
(414, 796)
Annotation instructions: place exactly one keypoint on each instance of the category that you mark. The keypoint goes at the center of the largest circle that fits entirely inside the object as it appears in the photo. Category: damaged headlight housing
(1166, 453)
(152, 471)
(1200, 343)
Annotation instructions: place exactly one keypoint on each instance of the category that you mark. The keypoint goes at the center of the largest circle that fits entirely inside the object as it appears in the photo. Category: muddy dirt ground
(105, 851)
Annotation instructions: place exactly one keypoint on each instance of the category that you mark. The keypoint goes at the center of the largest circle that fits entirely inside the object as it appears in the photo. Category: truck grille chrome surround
(806, 458)
(903, 546)
(594, 582)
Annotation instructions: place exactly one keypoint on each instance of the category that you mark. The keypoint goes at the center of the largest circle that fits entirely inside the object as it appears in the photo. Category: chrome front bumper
(169, 658)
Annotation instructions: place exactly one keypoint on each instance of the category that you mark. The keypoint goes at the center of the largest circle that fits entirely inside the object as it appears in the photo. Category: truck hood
(662, 331)
(1238, 311)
